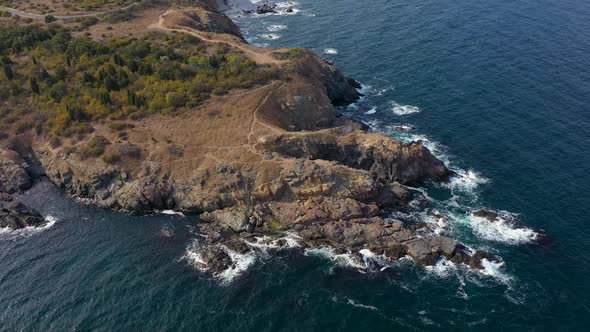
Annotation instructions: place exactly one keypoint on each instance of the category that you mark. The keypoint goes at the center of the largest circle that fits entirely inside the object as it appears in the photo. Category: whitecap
(332, 51)
(400, 109)
(502, 229)
(373, 110)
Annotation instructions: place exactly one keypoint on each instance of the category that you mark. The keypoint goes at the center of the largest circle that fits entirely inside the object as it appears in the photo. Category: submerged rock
(486, 214)
(266, 8)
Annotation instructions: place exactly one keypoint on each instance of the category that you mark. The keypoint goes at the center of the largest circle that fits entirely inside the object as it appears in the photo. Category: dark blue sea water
(499, 89)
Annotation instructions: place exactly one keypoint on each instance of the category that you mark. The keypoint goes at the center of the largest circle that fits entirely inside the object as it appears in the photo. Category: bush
(94, 148)
(110, 157)
(50, 19)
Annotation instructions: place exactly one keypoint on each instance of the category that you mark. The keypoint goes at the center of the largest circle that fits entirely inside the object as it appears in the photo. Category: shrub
(94, 148)
(50, 19)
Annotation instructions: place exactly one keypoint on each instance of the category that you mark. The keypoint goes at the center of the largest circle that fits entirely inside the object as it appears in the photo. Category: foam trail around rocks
(344, 260)
(240, 264)
(331, 51)
(172, 213)
(29, 230)
(502, 229)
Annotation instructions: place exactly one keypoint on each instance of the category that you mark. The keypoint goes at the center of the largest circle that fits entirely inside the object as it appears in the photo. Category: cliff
(268, 159)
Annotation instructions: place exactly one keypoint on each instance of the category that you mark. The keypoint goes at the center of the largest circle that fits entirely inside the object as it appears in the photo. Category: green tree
(34, 85)
(8, 71)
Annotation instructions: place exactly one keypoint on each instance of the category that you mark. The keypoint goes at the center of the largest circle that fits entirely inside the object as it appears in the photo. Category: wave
(343, 260)
(373, 110)
(193, 256)
(466, 180)
(29, 230)
(502, 229)
(399, 109)
(240, 264)
(265, 243)
(332, 51)
(172, 213)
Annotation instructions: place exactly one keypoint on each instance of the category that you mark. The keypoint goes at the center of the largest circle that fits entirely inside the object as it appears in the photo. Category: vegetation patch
(68, 82)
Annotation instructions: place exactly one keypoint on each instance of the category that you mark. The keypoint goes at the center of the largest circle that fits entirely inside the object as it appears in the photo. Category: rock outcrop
(263, 160)
(16, 216)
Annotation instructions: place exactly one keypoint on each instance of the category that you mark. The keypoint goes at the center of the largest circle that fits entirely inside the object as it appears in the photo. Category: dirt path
(258, 55)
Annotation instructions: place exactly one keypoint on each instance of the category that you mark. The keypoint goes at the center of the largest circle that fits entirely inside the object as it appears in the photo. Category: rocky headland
(269, 160)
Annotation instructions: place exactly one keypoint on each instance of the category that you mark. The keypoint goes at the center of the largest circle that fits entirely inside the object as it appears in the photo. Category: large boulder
(14, 177)
(16, 216)
(236, 218)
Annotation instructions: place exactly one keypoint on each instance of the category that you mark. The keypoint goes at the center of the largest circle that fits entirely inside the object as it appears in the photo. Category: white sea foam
(266, 243)
(193, 256)
(373, 110)
(29, 230)
(360, 305)
(443, 269)
(332, 51)
(502, 229)
(344, 260)
(466, 180)
(400, 109)
(240, 264)
(494, 270)
(172, 213)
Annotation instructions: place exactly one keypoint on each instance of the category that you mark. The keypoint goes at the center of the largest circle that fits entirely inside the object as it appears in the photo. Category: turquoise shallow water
(499, 89)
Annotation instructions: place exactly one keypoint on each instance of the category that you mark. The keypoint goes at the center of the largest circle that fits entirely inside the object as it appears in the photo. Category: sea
(499, 90)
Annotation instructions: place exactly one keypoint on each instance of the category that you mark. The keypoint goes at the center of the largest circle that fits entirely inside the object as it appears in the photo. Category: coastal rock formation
(277, 157)
(17, 216)
(266, 8)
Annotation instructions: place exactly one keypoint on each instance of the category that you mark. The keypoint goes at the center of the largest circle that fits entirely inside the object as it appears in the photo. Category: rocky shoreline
(297, 167)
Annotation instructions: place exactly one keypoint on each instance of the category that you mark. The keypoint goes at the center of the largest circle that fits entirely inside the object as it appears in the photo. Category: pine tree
(8, 71)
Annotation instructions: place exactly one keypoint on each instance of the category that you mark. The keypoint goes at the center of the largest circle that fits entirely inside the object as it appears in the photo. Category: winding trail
(261, 57)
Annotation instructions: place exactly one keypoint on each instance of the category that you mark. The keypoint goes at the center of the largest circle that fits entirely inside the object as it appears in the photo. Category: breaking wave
(332, 51)
(502, 229)
(172, 213)
(399, 109)
(29, 230)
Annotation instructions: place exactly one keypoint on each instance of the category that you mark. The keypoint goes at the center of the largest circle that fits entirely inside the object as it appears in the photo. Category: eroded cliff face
(272, 159)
